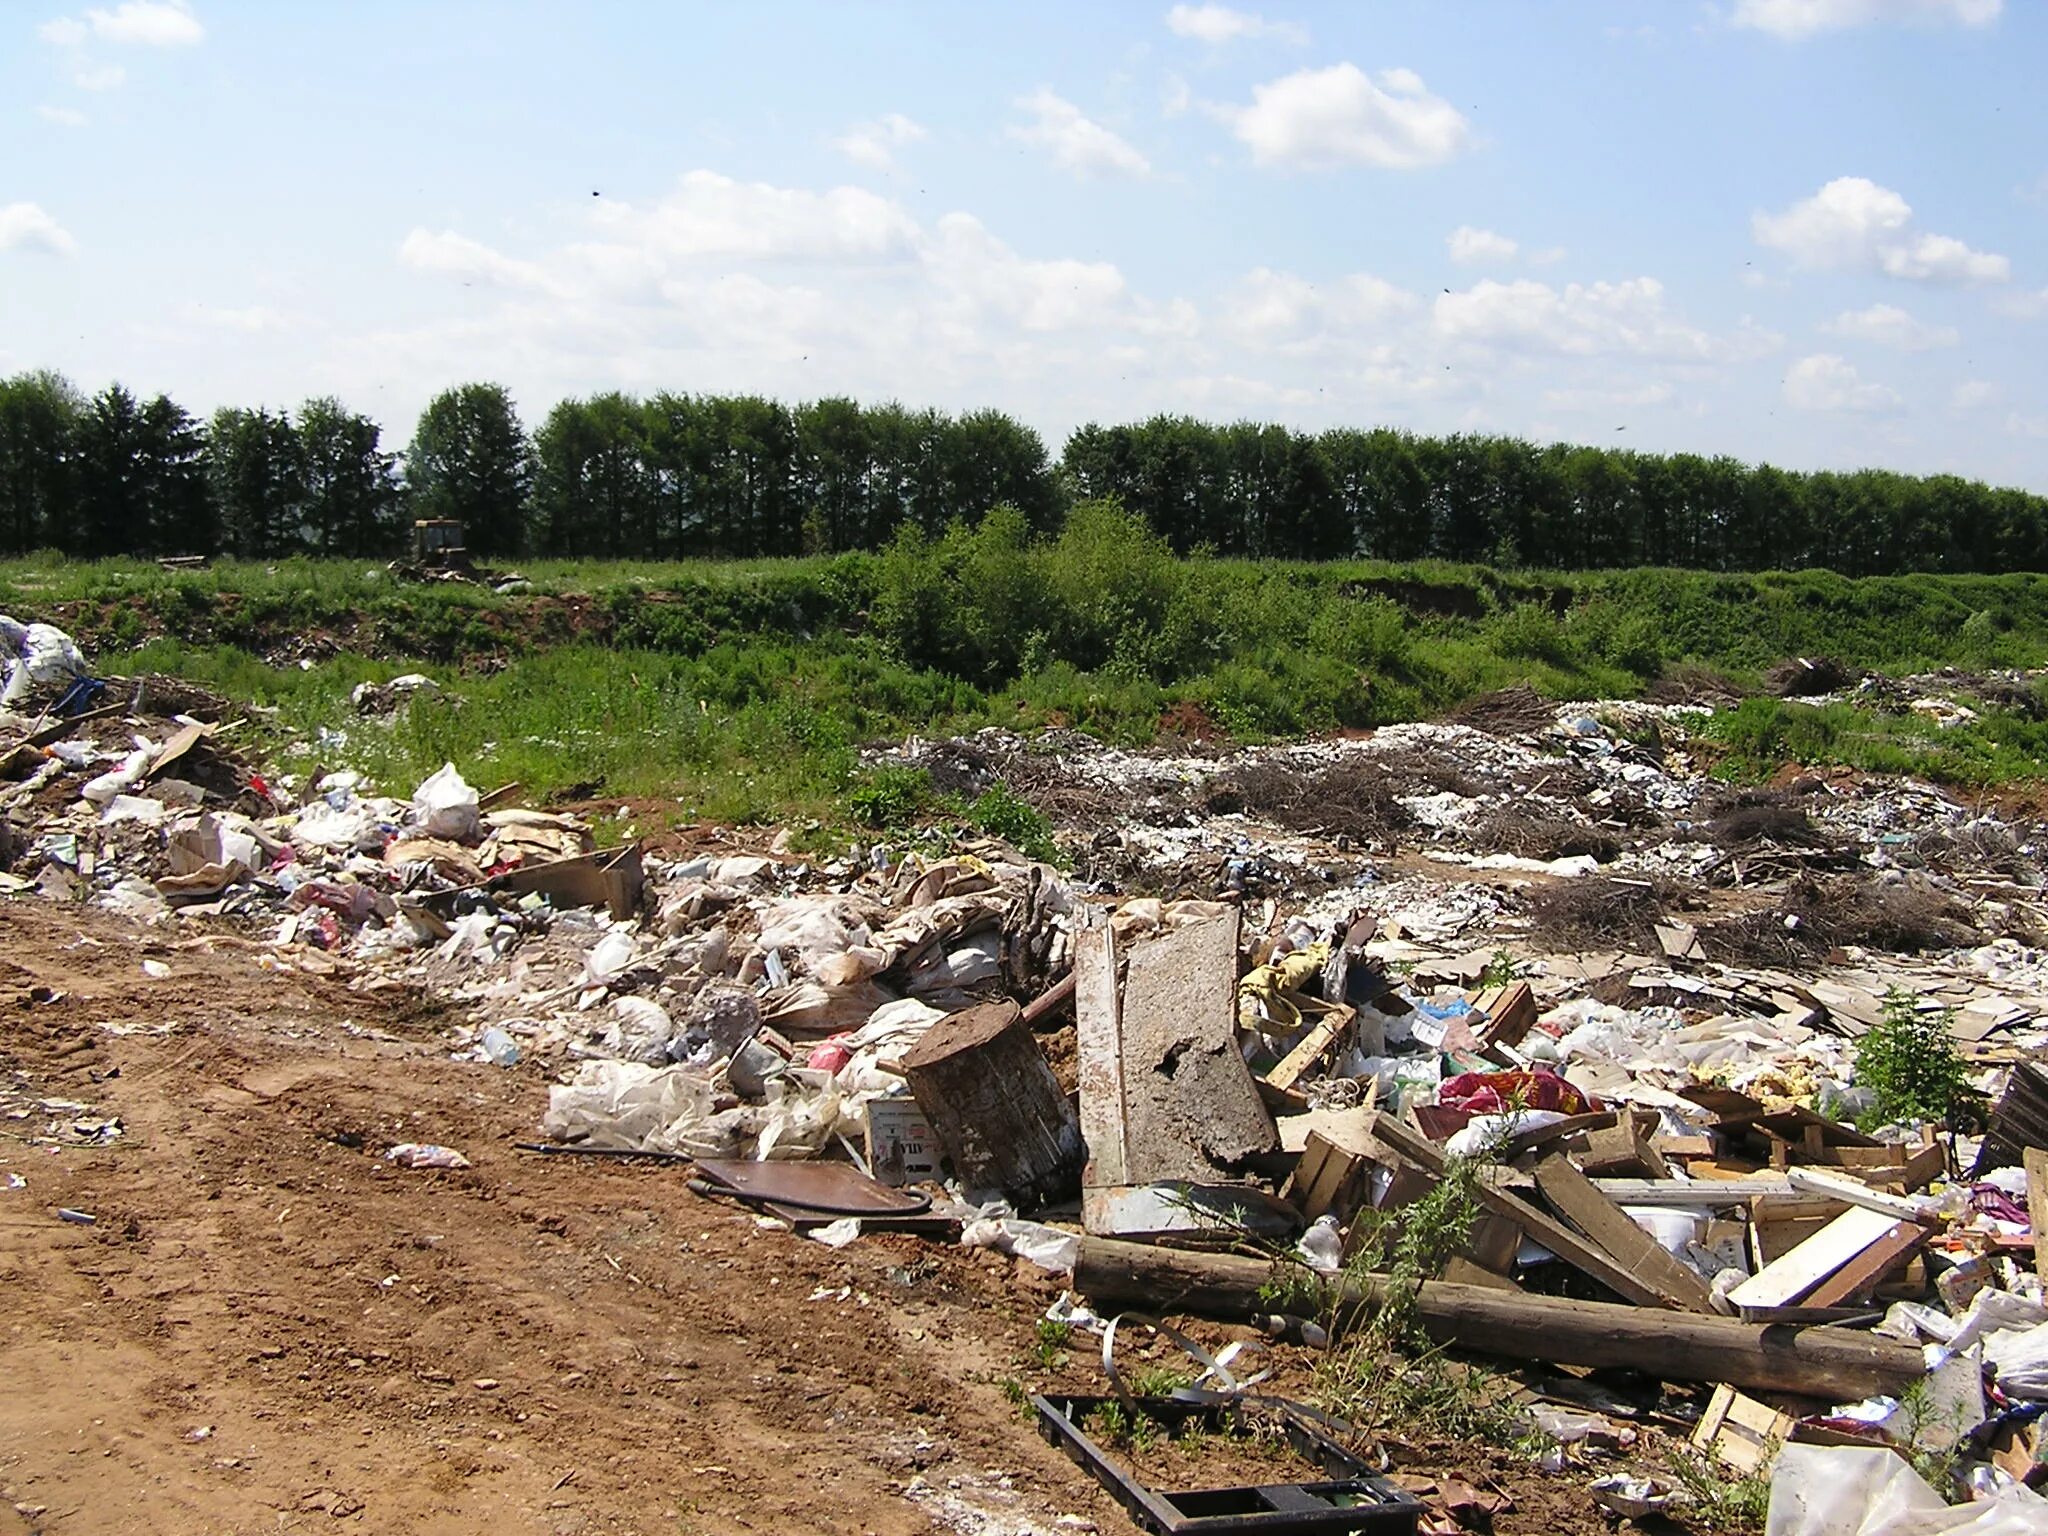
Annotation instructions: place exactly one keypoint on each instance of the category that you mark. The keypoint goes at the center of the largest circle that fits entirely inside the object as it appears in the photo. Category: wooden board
(1853, 1192)
(1869, 1266)
(1313, 1047)
(1544, 1228)
(1805, 1267)
(2036, 1162)
(1740, 1431)
(1573, 1195)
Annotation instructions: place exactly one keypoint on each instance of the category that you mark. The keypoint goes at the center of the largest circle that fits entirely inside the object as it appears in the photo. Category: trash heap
(1203, 1104)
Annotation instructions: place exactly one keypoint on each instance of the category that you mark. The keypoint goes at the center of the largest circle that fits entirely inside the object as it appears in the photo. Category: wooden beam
(1833, 1363)
(1852, 1192)
(1572, 1194)
(1539, 1225)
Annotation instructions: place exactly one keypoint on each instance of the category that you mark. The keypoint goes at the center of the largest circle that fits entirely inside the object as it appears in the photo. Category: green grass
(743, 691)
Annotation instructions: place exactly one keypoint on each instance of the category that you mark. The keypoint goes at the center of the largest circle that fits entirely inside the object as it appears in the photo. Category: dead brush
(1508, 712)
(1596, 912)
(1749, 818)
(1348, 802)
(1820, 915)
(1544, 837)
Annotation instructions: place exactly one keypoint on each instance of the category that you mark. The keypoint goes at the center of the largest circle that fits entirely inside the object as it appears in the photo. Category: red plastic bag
(1494, 1093)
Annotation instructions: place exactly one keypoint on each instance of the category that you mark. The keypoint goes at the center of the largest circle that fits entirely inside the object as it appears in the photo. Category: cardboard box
(902, 1148)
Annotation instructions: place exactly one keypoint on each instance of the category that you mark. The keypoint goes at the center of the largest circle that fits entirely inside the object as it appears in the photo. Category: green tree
(39, 414)
(350, 483)
(257, 478)
(470, 459)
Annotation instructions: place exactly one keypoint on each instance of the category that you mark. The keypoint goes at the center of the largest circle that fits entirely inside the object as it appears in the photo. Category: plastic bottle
(500, 1048)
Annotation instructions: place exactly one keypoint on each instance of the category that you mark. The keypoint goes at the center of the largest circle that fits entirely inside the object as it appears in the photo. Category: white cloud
(26, 227)
(1852, 222)
(1471, 247)
(148, 24)
(713, 216)
(103, 77)
(1077, 142)
(1972, 395)
(1584, 320)
(2020, 425)
(1174, 97)
(1221, 24)
(1281, 310)
(1825, 382)
(459, 256)
(64, 31)
(1886, 325)
(1630, 397)
(1321, 118)
(63, 117)
(1803, 18)
(2024, 306)
(874, 144)
(252, 320)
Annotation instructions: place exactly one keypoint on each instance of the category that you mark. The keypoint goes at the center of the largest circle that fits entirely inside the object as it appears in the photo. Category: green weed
(1908, 1060)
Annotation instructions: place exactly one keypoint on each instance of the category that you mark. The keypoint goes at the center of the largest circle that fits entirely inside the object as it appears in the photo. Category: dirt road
(268, 1327)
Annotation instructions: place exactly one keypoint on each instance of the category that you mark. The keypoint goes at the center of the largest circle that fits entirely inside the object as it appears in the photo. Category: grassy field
(744, 690)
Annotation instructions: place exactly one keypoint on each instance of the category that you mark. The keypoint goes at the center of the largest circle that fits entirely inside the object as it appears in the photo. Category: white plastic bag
(115, 781)
(641, 1031)
(444, 806)
(625, 1104)
(1842, 1490)
(608, 959)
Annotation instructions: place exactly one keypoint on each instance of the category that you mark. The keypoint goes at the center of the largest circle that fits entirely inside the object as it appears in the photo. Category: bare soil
(269, 1327)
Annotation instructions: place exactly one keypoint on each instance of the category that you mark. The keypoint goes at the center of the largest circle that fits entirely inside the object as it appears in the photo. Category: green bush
(1909, 1062)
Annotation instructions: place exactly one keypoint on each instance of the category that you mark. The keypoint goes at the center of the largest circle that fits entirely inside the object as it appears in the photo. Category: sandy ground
(269, 1328)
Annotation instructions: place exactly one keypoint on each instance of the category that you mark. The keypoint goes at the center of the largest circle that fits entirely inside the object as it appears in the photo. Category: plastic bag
(1034, 1242)
(608, 959)
(640, 1031)
(1840, 1490)
(117, 780)
(625, 1104)
(444, 806)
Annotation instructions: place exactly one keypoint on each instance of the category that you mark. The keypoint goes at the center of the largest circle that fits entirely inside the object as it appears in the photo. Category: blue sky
(1809, 231)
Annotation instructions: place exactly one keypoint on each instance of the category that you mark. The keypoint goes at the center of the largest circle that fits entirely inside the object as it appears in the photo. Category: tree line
(676, 476)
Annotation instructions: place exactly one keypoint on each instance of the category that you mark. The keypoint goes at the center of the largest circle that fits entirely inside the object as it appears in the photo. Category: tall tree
(470, 459)
(39, 415)
(351, 483)
(257, 477)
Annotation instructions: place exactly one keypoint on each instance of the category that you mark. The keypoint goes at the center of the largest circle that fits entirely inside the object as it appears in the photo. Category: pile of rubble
(1207, 1099)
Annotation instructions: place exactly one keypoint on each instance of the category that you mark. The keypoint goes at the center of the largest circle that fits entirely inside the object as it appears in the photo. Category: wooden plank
(1852, 1192)
(1869, 1266)
(2036, 1162)
(1690, 1192)
(1459, 1270)
(1098, 1048)
(1806, 1266)
(1539, 1225)
(1571, 1193)
(1741, 1431)
(1311, 1049)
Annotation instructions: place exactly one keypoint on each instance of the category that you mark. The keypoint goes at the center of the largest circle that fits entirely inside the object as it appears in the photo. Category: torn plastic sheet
(1840, 1490)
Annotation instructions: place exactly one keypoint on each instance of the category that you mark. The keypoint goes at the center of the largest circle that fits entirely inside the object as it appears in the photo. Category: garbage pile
(1177, 1101)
